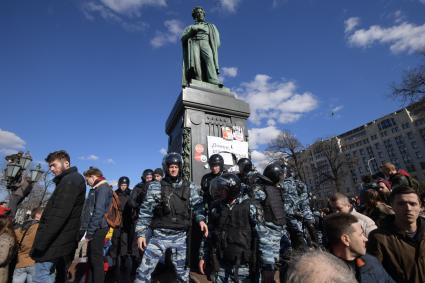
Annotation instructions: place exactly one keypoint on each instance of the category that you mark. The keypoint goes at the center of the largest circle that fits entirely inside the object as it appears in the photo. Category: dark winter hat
(158, 171)
(123, 180)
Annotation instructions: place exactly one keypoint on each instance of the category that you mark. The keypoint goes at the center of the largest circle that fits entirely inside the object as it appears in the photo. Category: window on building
(405, 125)
(422, 132)
(419, 154)
(410, 136)
(386, 123)
(361, 151)
(414, 145)
(380, 154)
(373, 137)
(420, 122)
(422, 165)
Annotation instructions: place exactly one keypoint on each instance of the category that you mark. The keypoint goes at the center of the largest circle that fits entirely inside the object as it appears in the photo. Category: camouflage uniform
(297, 207)
(249, 182)
(226, 273)
(163, 239)
(275, 241)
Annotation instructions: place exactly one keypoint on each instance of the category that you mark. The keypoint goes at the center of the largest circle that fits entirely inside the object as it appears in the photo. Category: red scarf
(98, 180)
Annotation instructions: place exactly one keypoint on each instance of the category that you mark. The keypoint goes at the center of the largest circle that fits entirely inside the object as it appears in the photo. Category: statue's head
(198, 14)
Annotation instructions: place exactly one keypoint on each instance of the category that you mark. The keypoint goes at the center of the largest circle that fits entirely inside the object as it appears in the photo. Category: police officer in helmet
(168, 210)
(234, 223)
(216, 164)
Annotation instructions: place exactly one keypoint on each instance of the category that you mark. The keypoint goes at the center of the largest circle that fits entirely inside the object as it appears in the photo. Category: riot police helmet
(274, 172)
(172, 158)
(146, 173)
(216, 160)
(225, 187)
(245, 166)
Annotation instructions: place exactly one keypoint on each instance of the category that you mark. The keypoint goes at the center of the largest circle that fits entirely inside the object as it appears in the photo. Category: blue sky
(98, 78)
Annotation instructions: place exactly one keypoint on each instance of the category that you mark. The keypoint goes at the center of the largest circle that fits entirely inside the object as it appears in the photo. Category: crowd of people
(237, 225)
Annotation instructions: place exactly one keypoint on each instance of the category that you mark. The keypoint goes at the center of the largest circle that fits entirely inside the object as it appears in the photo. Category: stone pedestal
(201, 110)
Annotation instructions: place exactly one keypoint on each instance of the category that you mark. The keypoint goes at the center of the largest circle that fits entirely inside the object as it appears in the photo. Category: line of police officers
(250, 222)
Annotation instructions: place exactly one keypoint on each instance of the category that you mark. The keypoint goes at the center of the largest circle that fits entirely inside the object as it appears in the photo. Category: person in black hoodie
(57, 234)
(138, 193)
(93, 221)
(124, 247)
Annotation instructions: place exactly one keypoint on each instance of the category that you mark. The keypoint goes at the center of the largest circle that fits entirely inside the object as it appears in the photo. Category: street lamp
(25, 160)
(368, 164)
(12, 169)
(36, 173)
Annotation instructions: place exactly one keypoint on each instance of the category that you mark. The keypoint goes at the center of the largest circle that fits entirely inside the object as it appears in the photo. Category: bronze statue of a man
(200, 43)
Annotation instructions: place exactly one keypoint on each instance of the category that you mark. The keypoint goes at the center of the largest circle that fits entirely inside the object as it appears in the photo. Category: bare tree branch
(289, 148)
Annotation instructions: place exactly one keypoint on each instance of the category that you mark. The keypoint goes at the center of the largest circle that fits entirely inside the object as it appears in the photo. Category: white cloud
(259, 159)
(404, 37)
(275, 101)
(91, 9)
(399, 16)
(229, 5)
(10, 143)
(163, 151)
(337, 108)
(110, 161)
(351, 23)
(90, 157)
(422, 1)
(113, 183)
(174, 29)
(230, 71)
(259, 136)
(131, 7)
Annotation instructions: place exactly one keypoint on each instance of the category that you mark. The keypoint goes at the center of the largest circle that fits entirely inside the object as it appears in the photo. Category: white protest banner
(226, 148)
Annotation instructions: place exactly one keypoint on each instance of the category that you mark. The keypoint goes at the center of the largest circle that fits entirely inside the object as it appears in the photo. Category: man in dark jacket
(56, 237)
(400, 243)
(124, 247)
(93, 220)
(138, 194)
(347, 240)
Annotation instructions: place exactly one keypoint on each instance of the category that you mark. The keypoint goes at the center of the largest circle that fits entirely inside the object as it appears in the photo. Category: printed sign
(238, 133)
(227, 149)
(227, 133)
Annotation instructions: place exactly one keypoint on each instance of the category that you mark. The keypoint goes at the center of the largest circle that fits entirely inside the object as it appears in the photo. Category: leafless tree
(332, 164)
(287, 147)
(38, 197)
(412, 86)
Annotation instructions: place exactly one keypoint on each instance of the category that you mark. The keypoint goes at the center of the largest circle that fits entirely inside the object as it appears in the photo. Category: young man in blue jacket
(93, 221)
(347, 240)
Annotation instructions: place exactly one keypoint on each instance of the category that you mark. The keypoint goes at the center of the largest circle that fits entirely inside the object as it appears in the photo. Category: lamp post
(36, 173)
(368, 164)
(17, 181)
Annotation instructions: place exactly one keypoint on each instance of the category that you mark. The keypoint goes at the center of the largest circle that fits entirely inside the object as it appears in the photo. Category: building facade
(398, 137)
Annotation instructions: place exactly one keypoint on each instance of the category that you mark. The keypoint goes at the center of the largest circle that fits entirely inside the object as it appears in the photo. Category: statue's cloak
(189, 69)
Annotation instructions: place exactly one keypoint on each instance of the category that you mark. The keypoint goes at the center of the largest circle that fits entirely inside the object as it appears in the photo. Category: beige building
(398, 137)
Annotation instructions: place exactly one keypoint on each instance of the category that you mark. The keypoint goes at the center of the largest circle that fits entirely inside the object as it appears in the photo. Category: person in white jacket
(340, 203)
